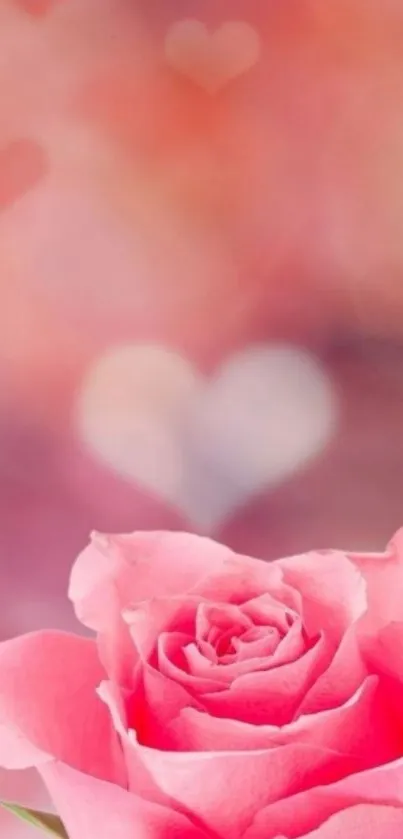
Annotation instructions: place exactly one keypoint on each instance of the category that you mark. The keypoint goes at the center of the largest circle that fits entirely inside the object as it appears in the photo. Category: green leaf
(44, 821)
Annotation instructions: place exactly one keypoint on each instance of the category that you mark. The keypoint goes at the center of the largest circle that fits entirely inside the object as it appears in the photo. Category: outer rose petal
(49, 707)
(297, 815)
(162, 700)
(361, 822)
(147, 713)
(93, 809)
(332, 588)
(339, 682)
(116, 572)
(349, 729)
(384, 654)
(225, 790)
(384, 577)
(138, 567)
(385, 651)
(145, 786)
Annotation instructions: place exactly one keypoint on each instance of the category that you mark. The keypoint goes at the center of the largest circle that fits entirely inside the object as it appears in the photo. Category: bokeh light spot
(269, 410)
(127, 412)
(207, 446)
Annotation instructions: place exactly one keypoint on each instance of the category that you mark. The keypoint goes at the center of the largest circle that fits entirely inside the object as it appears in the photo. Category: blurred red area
(138, 210)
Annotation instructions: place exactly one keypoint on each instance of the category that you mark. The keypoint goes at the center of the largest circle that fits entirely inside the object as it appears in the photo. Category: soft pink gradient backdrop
(135, 209)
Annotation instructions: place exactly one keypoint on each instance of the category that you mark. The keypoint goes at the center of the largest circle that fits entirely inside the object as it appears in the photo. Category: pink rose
(223, 697)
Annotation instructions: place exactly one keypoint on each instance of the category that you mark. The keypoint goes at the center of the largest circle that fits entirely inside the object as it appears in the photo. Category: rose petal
(291, 647)
(384, 651)
(384, 577)
(333, 590)
(361, 726)
(341, 679)
(196, 731)
(298, 814)
(172, 664)
(384, 655)
(361, 822)
(146, 621)
(223, 617)
(255, 644)
(120, 711)
(265, 611)
(202, 668)
(349, 729)
(115, 572)
(208, 651)
(98, 810)
(201, 782)
(49, 706)
(156, 701)
(270, 697)
(243, 578)
(140, 566)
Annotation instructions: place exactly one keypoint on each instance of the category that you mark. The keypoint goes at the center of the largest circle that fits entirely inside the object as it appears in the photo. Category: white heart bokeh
(206, 445)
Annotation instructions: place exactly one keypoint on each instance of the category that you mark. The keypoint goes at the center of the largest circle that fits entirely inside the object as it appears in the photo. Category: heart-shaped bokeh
(206, 445)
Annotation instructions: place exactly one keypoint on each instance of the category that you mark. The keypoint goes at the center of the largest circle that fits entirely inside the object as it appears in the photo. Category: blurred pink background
(201, 293)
